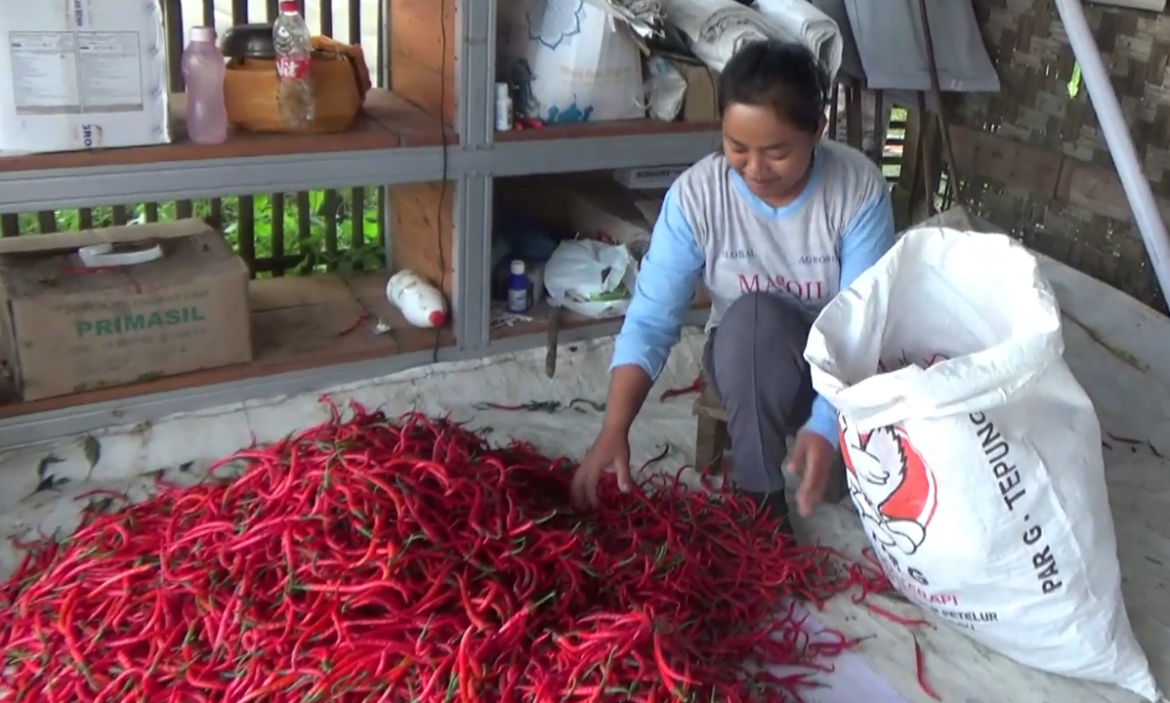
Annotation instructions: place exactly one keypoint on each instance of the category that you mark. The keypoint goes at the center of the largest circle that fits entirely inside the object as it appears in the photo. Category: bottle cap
(503, 90)
(437, 319)
(290, 6)
(517, 268)
(203, 34)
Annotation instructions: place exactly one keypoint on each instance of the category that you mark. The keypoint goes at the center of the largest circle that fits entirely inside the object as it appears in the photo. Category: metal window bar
(276, 234)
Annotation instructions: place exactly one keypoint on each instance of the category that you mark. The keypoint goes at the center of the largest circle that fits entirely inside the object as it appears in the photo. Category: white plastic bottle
(504, 110)
(420, 303)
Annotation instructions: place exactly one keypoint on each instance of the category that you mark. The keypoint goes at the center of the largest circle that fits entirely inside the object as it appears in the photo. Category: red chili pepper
(695, 387)
(362, 319)
(920, 668)
(893, 617)
(366, 558)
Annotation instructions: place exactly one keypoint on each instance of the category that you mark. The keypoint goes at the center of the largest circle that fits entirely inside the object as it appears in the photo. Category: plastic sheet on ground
(1115, 346)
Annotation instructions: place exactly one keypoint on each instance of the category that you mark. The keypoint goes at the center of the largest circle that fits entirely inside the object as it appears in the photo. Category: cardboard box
(590, 205)
(702, 99)
(82, 74)
(68, 328)
(608, 211)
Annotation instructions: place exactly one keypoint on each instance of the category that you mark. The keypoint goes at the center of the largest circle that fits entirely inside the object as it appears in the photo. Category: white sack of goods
(974, 456)
(573, 60)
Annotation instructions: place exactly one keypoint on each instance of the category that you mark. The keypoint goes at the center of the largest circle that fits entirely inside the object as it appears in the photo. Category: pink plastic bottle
(203, 70)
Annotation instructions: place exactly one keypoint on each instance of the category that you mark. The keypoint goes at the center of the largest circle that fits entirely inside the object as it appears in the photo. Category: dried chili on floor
(920, 671)
(695, 387)
(1122, 439)
(894, 617)
(542, 406)
(666, 449)
(361, 320)
(373, 560)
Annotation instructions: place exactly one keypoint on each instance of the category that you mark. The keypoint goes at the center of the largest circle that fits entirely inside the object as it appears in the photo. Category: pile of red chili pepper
(408, 560)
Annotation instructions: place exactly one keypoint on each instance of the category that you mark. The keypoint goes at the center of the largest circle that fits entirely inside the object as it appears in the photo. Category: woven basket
(251, 86)
(1030, 49)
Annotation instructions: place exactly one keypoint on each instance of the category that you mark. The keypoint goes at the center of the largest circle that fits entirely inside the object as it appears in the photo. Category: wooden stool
(710, 428)
(711, 442)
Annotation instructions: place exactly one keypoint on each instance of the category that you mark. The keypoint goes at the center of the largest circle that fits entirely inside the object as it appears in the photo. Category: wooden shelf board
(298, 323)
(411, 123)
(613, 128)
(387, 122)
(542, 314)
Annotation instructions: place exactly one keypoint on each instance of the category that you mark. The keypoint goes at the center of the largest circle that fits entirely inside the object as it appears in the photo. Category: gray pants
(755, 362)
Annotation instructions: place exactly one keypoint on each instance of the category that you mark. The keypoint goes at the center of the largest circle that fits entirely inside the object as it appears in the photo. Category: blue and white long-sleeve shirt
(712, 225)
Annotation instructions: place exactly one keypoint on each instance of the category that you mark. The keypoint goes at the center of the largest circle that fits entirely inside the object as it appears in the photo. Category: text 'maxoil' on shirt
(712, 225)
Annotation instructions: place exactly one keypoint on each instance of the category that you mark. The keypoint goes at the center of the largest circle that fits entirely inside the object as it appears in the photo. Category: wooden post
(854, 132)
(421, 52)
(921, 169)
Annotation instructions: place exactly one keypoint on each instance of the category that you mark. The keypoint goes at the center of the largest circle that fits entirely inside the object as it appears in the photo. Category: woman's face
(773, 157)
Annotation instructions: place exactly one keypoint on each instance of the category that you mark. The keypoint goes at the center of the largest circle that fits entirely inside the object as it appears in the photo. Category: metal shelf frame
(47, 426)
(472, 165)
(90, 186)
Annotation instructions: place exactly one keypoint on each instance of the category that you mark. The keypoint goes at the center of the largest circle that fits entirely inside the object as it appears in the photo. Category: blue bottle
(518, 288)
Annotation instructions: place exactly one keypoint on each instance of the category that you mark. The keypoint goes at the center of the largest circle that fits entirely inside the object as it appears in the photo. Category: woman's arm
(666, 284)
(867, 238)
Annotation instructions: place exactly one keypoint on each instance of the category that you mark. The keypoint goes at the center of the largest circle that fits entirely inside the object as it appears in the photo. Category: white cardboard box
(82, 74)
(647, 177)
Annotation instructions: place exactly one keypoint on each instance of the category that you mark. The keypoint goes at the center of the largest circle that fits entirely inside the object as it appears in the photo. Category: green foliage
(357, 242)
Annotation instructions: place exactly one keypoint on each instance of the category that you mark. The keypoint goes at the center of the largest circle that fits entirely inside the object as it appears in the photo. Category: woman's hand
(813, 459)
(611, 448)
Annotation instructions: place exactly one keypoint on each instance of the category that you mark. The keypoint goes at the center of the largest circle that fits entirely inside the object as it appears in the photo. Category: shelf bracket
(475, 61)
(473, 243)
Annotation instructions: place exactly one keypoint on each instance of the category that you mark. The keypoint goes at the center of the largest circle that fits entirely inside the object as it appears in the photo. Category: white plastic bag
(666, 89)
(974, 455)
(583, 66)
(590, 277)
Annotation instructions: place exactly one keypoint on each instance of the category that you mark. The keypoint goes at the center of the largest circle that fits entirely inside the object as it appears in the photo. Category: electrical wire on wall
(442, 4)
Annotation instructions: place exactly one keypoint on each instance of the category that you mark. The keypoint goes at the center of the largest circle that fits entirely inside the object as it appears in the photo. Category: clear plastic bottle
(294, 53)
(203, 72)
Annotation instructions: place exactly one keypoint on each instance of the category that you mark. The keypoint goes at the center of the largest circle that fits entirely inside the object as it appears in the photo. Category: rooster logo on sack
(892, 487)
